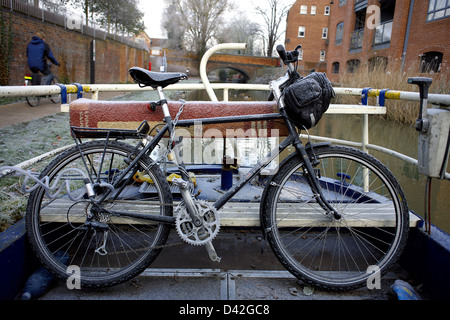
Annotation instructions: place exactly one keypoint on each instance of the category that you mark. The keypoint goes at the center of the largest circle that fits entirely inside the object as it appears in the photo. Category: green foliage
(6, 48)
(123, 15)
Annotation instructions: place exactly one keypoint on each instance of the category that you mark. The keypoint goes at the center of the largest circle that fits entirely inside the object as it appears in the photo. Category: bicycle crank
(189, 231)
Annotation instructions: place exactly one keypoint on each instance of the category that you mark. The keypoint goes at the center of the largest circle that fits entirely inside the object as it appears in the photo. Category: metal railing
(363, 109)
(382, 33)
(356, 39)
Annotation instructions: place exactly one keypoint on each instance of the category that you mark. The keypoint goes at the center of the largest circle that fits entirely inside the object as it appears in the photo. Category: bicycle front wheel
(330, 253)
(57, 97)
(66, 229)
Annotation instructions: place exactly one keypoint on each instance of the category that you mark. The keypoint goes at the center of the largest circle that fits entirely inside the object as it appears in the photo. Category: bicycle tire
(317, 248)
(33, 101)
(57, 97)
(55, 227)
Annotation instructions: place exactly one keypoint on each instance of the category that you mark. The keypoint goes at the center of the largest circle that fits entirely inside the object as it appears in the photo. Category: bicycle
(331, 214)
(37, 79)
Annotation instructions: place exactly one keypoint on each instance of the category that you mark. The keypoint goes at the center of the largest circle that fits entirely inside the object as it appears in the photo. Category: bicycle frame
(292, 139)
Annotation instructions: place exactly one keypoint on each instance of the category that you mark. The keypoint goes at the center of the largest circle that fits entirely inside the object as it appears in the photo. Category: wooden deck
(246, 214)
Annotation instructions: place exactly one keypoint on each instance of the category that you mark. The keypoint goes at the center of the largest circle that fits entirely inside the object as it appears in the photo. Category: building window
(342, 2)
(431, 62)
(335, 67)
(352, 65)
(322, 55)
(339, 33)
(327, 11)
(303, 9)
(313, 10)
(301, 31)
(324, 33)
(300, 54)
(438, 9)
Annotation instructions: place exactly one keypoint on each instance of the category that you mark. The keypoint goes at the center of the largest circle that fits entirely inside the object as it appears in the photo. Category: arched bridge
(244, 65)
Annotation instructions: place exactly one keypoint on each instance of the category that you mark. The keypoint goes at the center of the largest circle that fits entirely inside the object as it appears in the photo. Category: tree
(173, 28)
(124, 15)
(240, 30)
(200, 19)
(273, 17)
(6, 48)
(86, 5)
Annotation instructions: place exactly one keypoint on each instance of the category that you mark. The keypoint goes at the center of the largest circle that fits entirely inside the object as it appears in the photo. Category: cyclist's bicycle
(37, 79)
(332, 214)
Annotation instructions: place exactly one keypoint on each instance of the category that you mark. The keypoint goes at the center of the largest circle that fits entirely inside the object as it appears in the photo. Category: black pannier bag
(307, 99)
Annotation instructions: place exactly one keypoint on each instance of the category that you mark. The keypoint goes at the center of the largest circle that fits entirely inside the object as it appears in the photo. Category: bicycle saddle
(155, 79)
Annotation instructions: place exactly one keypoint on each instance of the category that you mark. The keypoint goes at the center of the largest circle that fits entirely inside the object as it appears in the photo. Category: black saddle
(155, 79)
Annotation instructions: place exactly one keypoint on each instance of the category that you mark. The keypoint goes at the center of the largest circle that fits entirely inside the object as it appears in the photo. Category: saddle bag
(307, 99)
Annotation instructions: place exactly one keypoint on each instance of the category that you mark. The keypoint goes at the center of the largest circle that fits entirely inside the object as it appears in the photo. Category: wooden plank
(246, 214)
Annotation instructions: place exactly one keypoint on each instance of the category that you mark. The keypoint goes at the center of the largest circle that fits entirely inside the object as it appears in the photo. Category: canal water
(388, 134)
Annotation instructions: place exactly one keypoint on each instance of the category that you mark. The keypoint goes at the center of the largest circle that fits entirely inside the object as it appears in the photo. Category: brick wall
(72, 50)
(428, 36)
(312, 43)
(424, 36)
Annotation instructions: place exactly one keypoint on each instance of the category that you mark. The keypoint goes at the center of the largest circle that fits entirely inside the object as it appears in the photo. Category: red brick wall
(312, 43)
(423, 37)
(72, 50)
(428, 36)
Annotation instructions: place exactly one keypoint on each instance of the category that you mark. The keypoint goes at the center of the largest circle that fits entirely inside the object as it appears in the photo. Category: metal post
(365, 142)
(208, 54)
(225, 94)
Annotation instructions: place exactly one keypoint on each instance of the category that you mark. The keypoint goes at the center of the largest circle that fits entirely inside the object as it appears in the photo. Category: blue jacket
(38, 52)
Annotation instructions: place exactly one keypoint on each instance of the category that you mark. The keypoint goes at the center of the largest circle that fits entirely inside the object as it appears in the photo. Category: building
(410, 35)
(308, 25)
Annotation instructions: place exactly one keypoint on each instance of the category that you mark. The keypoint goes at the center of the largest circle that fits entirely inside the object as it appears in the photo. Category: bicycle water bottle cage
(146, 78)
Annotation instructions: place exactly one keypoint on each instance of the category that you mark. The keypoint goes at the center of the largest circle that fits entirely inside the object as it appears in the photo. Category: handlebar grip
(282, 53)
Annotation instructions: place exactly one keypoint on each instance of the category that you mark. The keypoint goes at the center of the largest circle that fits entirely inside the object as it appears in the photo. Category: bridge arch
(226, 73)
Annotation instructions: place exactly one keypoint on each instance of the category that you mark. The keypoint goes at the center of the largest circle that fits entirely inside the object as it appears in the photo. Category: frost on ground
(21, 142)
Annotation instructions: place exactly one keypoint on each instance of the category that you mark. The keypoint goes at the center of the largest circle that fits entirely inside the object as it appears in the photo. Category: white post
(208, 54)
(365, 142)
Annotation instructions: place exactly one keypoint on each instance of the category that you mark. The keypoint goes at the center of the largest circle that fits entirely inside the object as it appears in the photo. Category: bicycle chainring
(191, 234)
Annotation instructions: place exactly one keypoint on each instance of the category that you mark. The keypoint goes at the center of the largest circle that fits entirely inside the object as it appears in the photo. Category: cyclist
(38, 51)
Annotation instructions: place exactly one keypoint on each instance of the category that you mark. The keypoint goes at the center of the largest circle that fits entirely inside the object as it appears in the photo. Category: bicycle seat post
(163, 101)
(422, 123)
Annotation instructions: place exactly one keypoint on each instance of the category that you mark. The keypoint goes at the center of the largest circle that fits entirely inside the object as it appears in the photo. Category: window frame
(341, 34)
(304, 31)
(335, 70)
(432, 11)
(325, 32)
(304, 9)
(322, 56)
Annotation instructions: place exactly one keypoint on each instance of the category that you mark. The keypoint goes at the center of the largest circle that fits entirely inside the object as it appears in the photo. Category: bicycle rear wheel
(58, 228)
(336, 254)
(33, 101)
